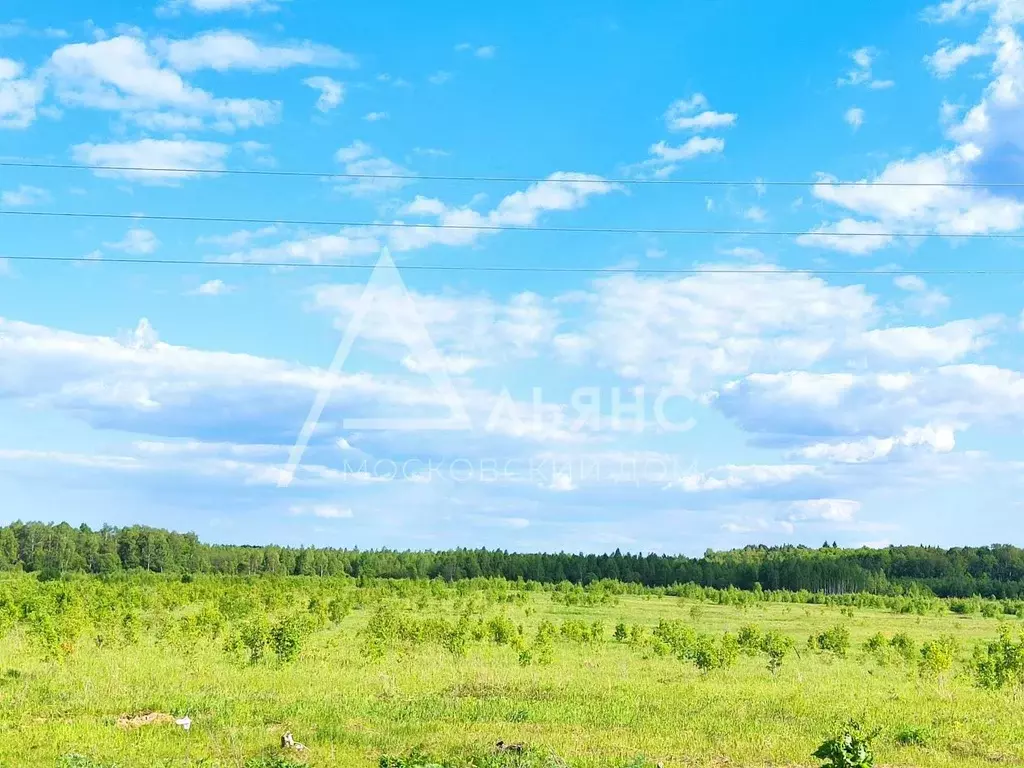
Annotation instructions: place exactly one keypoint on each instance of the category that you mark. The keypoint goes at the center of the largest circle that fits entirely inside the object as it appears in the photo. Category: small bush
(850, 749)
(834, 640)
(284, 638)
(999, 663)
(776, 646)
(937, 656)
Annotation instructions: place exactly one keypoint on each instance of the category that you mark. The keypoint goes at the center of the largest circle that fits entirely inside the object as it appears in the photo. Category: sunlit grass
(596, 704)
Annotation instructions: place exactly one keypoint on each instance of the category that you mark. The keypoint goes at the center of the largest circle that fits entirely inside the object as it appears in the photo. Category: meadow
(403, 673)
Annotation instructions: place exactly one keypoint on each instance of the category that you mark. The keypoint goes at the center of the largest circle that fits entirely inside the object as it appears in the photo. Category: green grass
(596, 705)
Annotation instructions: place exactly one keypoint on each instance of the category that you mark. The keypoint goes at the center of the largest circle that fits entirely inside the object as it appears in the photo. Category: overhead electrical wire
(518, 268)
(369, 225)
(587, 179)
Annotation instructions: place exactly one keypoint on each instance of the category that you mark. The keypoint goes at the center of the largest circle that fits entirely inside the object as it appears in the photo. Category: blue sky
(879, 406)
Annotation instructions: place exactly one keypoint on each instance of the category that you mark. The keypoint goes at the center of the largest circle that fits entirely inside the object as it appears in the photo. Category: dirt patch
(150, 718)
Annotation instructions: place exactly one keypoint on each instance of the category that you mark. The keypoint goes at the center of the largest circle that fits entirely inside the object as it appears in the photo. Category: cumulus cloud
(121, 74)
(744, 477)
(692, 114)
(136, 241)
(324, 511)
(938, 439)
(217, 6)
(854, 117)
(988, 144)
(212, 288)
(880, 404)
(225, 50)
(830, 510)
(561, 191)
(922, 299)
(19, 95)
(848, 236)
(360, 159)
(331, 91)
(160, 155)
(469, 331)
(941, 344)
(861, 71)
(688, 332)
(140, 383)
(928, 205)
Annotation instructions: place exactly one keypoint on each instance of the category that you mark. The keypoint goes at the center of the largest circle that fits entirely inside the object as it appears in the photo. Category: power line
(502, 227)
(500, 179)
(516, 268)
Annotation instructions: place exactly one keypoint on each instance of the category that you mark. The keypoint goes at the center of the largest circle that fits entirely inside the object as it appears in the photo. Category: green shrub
(850, 749)
(937, 656)
(621, 633)
(835, 640)
(284, 638)
(999, 663)
(776, 646)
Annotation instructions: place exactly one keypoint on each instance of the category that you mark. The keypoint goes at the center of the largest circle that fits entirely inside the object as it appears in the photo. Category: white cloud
(691, 115)
(137, 242)
(741, 477)
(225, 50)
(690, 149)
(468, 331)
(325, 511)
(359, 158)
(685, 115)
(122, 75)
(995, 122)
(24, 195)
(827, 510)
(143, 384)
(561, 191)
(238, 238)
(439, 78)
(331, 92)
(923, 300)
(929, 204)
(849, 236)
(854, 117)
(213, 288)
(945, 61)
(810, 403)
(373, 117)
(19, 96)
(153, 153)
(941, 344)
(861, 72)
(485, 52)
(755, 213)
(1003, 11)
(318, 249)
(687, 332)
(217, 6)
(936, 438)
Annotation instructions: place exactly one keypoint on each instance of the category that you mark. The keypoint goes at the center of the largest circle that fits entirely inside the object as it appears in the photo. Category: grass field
(71, 664)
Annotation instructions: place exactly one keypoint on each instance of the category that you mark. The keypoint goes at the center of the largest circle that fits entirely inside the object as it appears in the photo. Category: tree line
(991, 571)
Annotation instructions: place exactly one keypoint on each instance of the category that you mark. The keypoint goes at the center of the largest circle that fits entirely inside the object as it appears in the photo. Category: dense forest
(57, 550)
